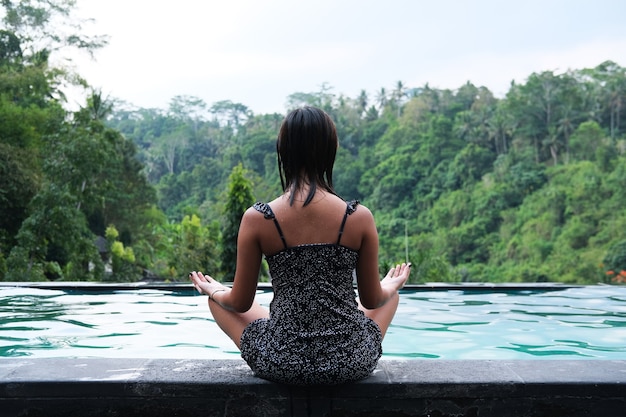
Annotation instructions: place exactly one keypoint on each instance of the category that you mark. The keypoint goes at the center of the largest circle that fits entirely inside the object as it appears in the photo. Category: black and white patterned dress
(315, 334)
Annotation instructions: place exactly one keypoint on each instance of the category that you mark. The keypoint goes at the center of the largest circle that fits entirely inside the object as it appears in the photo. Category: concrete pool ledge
(170, 387)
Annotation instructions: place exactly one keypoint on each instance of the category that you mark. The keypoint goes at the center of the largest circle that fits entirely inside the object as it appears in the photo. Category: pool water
(575, 323)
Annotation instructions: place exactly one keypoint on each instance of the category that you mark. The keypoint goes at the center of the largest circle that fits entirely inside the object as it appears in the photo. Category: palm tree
(381, 98)
(398, 95)
(362, 101)
(99, 108)
(498, 131)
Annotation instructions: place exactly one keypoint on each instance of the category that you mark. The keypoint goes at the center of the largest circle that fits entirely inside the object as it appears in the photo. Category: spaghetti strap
(350, 208)
(269, 214)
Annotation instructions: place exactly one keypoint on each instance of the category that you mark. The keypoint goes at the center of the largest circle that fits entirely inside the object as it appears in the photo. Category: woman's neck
(302, 193)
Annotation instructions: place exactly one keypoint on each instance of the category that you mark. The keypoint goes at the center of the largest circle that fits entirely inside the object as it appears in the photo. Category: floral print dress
(315, 334)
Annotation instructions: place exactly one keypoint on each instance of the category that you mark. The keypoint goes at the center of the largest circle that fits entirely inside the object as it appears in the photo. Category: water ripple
(578, 323)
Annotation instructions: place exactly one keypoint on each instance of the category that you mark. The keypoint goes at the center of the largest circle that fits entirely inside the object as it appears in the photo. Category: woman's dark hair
(306, 147)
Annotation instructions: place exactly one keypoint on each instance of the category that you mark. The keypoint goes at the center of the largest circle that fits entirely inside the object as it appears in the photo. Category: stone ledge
(169, 387)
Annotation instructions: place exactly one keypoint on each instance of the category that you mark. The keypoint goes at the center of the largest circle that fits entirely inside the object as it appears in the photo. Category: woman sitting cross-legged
(316, 330)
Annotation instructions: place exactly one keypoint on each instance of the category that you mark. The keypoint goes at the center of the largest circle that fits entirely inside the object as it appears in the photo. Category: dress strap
(269, 214)
(350, 208)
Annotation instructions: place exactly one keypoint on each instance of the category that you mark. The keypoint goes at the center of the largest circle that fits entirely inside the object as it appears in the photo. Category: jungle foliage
(465, 185)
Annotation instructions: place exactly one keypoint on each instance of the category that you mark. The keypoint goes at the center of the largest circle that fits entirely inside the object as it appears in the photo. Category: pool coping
(194, 387)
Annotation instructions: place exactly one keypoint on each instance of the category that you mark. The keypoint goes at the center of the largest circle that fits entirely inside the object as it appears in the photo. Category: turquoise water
(576, 323)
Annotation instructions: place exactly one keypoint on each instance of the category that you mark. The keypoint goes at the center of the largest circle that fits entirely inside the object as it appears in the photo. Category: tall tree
(19, 182)
(54, 241)
(363, 101)
(382, 99)
(48, 25)
(612, 78)
(397, 97)
(238, 200)
(231, 114)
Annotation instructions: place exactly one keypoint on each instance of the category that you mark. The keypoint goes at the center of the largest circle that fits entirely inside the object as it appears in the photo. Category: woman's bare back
(318, 222)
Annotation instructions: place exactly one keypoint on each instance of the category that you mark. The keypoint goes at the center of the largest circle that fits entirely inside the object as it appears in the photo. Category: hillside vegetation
(467, 186)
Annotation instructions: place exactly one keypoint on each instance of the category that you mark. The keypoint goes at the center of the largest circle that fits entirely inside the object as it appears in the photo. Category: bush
(615, 262)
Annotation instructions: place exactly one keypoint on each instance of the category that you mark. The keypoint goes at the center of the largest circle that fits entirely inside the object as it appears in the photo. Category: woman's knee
(232, 323)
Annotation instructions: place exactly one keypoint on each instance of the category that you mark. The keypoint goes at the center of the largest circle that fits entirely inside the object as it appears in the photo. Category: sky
(258, 52)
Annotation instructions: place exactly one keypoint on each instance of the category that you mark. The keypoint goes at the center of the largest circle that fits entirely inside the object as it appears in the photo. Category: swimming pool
(475, 323)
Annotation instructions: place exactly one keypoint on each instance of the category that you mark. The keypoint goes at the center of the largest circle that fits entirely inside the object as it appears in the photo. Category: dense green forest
(468, 186)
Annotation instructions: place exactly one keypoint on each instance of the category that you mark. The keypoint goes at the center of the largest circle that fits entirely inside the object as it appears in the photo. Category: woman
(315, 332)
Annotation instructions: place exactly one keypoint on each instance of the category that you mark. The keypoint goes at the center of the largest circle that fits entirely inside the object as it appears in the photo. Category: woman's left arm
(240, 297)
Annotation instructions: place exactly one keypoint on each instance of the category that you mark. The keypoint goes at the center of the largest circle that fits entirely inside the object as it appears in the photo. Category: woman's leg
(233, 323)
(383, 314)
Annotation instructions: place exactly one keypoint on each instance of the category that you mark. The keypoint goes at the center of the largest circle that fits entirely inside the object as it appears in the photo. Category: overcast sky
(258, 52)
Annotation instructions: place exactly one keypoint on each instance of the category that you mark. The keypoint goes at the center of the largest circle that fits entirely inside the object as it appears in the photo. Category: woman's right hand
(397, 276)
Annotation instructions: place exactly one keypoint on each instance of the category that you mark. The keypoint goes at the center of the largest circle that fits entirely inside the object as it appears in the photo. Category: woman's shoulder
(261, 208)
(358, 209)
(359, 216)
(257, 212)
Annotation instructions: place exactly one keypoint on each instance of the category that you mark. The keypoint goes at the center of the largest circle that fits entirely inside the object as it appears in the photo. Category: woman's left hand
(205, 284)
(397, 276)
